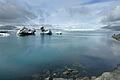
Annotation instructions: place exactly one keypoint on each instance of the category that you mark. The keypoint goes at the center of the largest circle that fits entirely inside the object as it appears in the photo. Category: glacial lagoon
(92, 52)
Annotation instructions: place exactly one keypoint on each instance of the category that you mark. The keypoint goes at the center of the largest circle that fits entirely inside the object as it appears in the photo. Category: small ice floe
(59, 33)
(4, 34)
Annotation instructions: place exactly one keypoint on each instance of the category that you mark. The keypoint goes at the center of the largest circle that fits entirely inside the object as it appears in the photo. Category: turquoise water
(24, 56)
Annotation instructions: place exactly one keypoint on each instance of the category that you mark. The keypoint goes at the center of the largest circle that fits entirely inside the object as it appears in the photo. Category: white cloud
(87, 13)
(113, 16)
(87, 16)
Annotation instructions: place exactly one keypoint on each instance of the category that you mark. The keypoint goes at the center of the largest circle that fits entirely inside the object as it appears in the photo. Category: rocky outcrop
(113, 75)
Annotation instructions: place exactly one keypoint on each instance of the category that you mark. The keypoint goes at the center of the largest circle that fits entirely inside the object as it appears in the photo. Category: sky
(89, 14)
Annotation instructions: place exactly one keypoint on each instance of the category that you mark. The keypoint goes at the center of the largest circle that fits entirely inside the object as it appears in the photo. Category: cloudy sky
(86, 13)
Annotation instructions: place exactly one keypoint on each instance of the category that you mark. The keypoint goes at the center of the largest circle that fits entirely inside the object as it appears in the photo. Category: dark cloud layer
(13, 13)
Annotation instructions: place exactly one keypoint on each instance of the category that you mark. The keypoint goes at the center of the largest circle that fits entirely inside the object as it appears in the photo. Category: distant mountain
(8, 27)
(116, 28)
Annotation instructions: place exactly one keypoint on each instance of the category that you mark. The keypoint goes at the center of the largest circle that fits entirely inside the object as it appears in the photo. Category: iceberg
(25, 31)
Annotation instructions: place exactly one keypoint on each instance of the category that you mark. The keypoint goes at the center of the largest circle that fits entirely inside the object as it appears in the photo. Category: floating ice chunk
(4, 34)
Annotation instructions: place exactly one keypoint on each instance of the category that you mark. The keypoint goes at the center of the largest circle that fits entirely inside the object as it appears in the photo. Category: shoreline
(113, 75)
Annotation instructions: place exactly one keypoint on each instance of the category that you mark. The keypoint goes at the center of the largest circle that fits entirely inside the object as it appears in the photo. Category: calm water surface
(22, 56)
